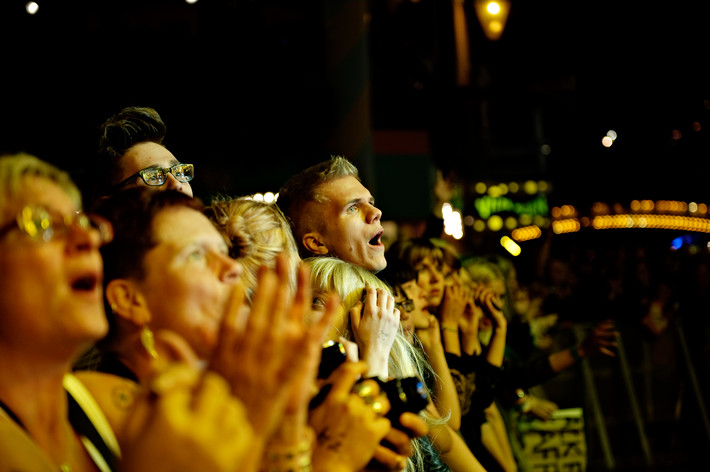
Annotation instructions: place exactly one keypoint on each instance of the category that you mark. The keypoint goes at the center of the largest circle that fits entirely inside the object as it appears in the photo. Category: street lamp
(492, 14)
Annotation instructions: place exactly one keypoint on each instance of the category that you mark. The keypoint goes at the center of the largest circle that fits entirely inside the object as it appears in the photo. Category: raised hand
(490, 303)
(375, 323)
(186, 420)
(601, 339)
(430, 337)
(347, 428)
(453, 305)
(399, 443)
(268, 352)
(539, 407)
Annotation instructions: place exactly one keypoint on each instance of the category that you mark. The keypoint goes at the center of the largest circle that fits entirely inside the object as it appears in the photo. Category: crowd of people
(145, 329)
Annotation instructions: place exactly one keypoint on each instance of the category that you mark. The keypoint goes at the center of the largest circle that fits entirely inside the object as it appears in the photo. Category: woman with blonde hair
(256, 232)
(365, 316)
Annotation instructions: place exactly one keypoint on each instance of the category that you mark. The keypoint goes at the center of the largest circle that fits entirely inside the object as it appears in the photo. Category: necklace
(65, 465)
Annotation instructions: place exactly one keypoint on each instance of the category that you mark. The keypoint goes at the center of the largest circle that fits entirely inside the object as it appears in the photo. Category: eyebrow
(370, 200)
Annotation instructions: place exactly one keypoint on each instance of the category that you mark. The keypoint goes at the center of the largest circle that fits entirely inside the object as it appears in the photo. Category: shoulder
(114, 395)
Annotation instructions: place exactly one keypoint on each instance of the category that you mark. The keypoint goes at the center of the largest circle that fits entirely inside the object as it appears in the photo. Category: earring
(148, 342)
(114, 307)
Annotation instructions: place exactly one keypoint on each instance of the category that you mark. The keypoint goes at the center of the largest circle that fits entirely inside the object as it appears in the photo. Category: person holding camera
(405, 363)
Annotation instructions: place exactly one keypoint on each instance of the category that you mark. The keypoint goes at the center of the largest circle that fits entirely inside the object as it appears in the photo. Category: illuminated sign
(487, 206)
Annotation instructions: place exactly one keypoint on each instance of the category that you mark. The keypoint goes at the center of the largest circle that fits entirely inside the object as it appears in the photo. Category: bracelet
(574, 351)
(449, 328)
(290, 458)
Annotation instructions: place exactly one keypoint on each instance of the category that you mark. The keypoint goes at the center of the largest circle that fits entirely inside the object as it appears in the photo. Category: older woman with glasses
(52, 310)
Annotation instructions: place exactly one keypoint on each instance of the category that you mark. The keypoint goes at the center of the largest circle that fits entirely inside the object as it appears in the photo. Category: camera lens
(407, 394)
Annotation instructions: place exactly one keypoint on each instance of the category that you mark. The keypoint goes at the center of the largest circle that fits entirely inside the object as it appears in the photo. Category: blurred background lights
(511, 246)
(609, 139)
(269, 197)
(495, 191)
(492, 15)
(530, 187)
(32, 7)
(453, 225)
(525, 219)
(495, 223)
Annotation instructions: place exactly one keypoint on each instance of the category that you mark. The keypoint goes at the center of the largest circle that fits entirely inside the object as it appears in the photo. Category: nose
(231, 270)
(83, 239)
(374, 214)
(174, 184)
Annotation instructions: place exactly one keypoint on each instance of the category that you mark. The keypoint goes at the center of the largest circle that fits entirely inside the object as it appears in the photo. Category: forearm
(455, 452)
(470, 344)
(377, 362)
(450, 339)
(496, 347)
(446, 396)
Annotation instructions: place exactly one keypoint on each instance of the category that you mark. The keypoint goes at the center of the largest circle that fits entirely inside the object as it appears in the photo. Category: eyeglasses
(43, 225)
(407, 305)
(155, 176)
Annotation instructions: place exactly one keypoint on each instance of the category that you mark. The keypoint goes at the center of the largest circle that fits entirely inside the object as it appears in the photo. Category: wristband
(449, 328)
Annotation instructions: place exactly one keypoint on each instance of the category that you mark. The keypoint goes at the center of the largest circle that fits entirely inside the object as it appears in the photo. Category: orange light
(492, 14)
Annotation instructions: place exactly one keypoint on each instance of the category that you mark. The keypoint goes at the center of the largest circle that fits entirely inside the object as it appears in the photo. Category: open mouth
(376, 240)
(85, 283)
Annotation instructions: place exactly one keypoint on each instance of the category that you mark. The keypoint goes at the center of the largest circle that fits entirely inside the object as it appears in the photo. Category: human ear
(315, 244)
(127, 302)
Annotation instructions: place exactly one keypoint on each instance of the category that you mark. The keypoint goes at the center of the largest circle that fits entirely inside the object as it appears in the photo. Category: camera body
(332, 355)
(407, 394)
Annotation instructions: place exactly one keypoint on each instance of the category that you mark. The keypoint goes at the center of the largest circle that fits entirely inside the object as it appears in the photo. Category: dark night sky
(239, 84)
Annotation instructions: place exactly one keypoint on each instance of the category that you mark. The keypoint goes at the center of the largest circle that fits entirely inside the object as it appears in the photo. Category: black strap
(11, 414)
(83, 426)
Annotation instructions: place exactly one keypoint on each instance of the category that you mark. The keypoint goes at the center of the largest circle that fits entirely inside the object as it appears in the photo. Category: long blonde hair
(332, 275)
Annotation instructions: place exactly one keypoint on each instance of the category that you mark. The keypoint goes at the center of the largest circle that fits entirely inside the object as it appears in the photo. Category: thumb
(356, 315)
